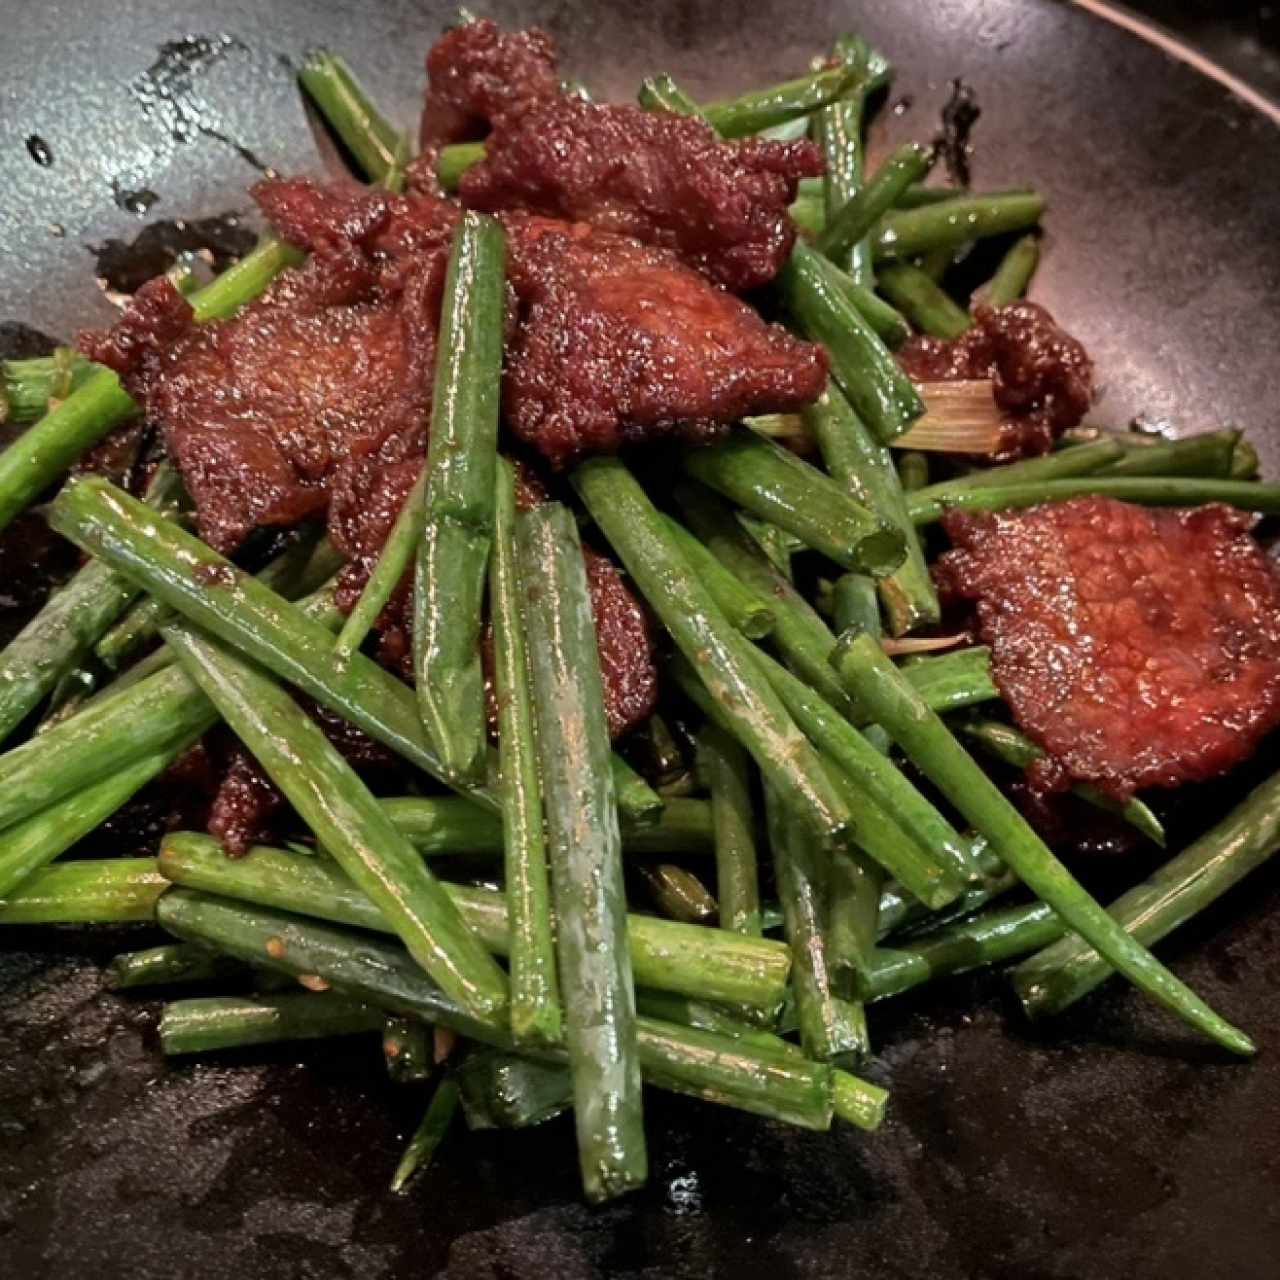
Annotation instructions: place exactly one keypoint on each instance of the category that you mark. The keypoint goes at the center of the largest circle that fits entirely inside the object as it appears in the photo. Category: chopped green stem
(60, 636)
(1208, 455)
(748, 113)
(379, 148)
(347, 821)
(244, 281)
(93, 891)
(503, 1091)
(799, 634)
(744, 606)
(231, 1022)
(813, 291)
(853, 604)
(169, 964)
(725, 770)
(27, 386)
(585, 854)
(987, 939)
(827, 1026)
(535, 992)
(211, 592)
(721, 658)
(33, 461)
(860, 213)
(864, 466)
(455, 160)
(773, 484)
(661, 93)
(638, 803)
(935, 751)
(1153, 491)
(1010, 745)
(692, 960)
(394, 560)
(907, 233)
(900, 910)
(37, 840)
(715, 1068)
(1014, 273)
(429, 1134)
(462, 455)
(1250, 834)
(914, 292)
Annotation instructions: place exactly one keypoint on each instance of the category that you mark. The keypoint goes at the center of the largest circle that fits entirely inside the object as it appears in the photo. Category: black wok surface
(1109, 1144)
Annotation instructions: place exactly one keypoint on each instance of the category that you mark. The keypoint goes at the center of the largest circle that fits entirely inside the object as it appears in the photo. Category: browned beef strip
(619, 343)
(1138, 647)
(663, 179)
(476, 72)
(1043, 376)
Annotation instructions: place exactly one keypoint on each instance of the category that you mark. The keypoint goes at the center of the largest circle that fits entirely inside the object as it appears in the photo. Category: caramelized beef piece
(156, 318)
(261, 409)
(619, 343)
(625, 646)
(244, 806)
(477, 72)
(667, 180)
(1139, 648)
(1043, 376)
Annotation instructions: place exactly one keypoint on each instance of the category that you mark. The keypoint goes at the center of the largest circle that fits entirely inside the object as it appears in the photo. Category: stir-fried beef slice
(1139, 648)
(667, 180)
(1043, 376)
(155, 319)
(477, 72)
(259, 410)
(620, 343)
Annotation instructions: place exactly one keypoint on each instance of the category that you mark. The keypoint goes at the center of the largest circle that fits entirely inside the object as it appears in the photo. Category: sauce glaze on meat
(1043, 376)
(1138, 647)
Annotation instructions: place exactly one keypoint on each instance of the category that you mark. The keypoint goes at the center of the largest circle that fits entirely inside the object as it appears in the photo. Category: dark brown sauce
(959, 114)
(38, 150)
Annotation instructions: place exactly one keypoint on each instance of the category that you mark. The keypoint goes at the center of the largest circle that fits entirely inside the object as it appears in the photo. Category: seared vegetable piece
(860, 213)
(638, 802)
(36, 840)
(1014, 273)
(1247, 495)
(725, 771)
(380, 149)
(1185, 885)
(679, 894)
(745, 607)
(661, 93)
(721, 658)
(838, 128)
(462, 454)
(907, 233)
(696, 961)
(865, 468)
(44, 451)
(1006, 743)
(502, 1091)
(62, 633)
(27, 386)
(346, 819)
(799, 633)
(91, 891)
(931, 310)
(586, 854)
(758, 109)
(230, 1022)
(535, 992)
(881, 394)
(452, 824)
(773, 484)
(828, 1026)
(396, 556)
(913, 470)
(207, 589)
(712, 1067)
(1210, 454)
(429, 1134)
(168, 964)
(986, 939)
(932, 748)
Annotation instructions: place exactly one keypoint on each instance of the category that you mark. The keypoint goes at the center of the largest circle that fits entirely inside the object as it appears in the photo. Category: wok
(1105, 1144)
